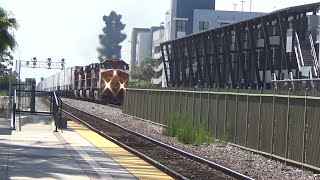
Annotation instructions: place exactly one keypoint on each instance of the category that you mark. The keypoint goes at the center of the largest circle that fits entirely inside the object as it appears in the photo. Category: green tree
(7, 39)
(4, 81)
(111, 37)
(145, 71)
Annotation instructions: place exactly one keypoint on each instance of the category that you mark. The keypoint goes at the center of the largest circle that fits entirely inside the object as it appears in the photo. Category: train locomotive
(105, 81)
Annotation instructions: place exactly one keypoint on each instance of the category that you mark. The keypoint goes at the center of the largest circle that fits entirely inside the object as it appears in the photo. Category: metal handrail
(55, 98)
(298, 52)
(298, 58)
(314, 55)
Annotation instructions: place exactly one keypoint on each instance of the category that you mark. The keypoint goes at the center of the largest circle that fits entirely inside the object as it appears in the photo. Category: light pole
(242, 4)
(250, 4)
(235, 6)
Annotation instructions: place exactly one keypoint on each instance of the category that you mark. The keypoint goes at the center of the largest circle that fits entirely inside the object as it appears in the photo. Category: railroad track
(176, 163)
(98, 102)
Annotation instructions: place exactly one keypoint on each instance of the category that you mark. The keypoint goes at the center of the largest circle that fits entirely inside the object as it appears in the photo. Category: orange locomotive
(105, 81)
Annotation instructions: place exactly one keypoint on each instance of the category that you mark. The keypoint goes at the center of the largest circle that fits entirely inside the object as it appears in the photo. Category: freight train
(105, 81)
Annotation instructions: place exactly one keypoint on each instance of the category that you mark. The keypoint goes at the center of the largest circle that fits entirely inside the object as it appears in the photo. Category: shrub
(173, 125)
(187, 132)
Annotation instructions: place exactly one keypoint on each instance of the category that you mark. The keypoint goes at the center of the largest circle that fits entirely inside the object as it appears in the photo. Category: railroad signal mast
(48, 64)
(34, 63)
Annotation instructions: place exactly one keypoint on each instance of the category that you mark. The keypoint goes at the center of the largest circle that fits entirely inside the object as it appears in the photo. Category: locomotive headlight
(114, 73)
(121, 85)
(108, 85)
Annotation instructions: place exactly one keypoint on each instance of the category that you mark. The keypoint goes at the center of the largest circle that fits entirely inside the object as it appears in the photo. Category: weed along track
(178, 164)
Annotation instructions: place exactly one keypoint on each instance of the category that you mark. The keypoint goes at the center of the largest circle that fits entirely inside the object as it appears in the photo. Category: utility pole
(235, 6)
(242, 4)
(250, 4)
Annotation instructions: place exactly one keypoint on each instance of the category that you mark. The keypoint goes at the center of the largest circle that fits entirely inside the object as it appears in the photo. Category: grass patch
(3, 93)
(187, 131)
(173, 125)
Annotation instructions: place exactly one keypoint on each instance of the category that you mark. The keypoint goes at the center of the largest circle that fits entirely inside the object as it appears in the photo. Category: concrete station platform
(36, 152)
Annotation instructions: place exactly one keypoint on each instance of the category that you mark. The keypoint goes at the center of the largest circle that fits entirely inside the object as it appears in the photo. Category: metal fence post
(236, 117)
(123, 102)
(217, 113)
(305, 126)
(200, 105)
(10, 96)
(225, 115)
(33, 97)
(273, 120)
(14, 108)
(159, 109)
(180, 96)
(287, 130)
(247, 119)
(186, 104)
(142, 103)
(260, 128)
(193, 105)
(164, 106)
(208, 114)
(168, 101)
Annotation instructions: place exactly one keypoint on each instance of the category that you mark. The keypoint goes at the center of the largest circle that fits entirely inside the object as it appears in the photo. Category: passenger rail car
(105, 81)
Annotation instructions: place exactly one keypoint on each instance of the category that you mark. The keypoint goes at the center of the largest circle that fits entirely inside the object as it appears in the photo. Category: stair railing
(298, 52)
(314, 55)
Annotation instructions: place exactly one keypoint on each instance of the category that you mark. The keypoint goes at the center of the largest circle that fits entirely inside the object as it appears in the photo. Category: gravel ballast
(250, 164)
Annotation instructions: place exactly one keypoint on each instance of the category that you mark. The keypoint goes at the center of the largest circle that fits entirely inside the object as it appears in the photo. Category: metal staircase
(306, 57)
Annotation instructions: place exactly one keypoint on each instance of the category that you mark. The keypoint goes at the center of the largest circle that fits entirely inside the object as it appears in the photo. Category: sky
(69, 29)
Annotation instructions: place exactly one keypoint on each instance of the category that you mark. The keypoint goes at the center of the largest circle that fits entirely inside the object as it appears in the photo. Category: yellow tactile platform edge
(138, 167)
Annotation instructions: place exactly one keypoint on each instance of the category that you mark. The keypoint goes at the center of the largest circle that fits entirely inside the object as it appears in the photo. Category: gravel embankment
(253, 165)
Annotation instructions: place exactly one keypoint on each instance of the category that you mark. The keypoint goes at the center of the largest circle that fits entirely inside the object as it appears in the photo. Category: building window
(203, 25)
(181, 26)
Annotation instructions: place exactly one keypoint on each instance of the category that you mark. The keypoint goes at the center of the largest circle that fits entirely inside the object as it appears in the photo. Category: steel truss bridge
(275, 50)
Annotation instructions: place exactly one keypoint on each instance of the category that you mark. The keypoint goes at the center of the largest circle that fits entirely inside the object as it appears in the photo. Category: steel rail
(133, 151)
(210, 164)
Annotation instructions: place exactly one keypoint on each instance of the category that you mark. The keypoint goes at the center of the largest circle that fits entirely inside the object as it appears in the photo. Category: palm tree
(7, 39)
